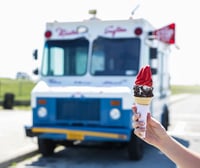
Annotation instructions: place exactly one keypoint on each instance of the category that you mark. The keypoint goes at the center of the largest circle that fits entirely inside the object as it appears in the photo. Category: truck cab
(85, 91)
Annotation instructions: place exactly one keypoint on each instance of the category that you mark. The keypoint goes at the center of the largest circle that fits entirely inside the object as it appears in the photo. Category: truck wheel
(135, 147)
(165, 117)
(46, 146)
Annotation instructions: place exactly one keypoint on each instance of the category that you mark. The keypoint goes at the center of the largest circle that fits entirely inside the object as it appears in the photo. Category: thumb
(151, 120)
(148, 117)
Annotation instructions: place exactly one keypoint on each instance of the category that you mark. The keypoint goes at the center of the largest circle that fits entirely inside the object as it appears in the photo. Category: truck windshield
(65, 57)
(115, 56)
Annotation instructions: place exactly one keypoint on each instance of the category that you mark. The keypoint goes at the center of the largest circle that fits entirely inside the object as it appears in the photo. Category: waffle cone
(143, 100)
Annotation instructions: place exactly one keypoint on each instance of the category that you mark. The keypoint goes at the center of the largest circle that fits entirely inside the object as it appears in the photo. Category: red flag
(166, 34)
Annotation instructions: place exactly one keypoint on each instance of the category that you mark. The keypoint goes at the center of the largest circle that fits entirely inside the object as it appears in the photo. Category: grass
(180, 89)
(20, 88)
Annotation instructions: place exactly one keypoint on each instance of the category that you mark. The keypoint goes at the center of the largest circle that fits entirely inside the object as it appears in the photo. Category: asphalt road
(97, 158)
(185, 121)
(13, 141)
(185, 127)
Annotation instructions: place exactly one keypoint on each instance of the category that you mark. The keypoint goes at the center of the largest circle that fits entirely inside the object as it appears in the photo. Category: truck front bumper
(74, 133)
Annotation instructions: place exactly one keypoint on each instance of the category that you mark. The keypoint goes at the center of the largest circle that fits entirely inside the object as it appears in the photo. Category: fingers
(136, 116)
(137, 125)
(134, 109)
(139, 131)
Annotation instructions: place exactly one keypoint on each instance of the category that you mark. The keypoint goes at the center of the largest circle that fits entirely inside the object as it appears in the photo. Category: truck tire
(135, 147)
(46, 146)
(165, 117)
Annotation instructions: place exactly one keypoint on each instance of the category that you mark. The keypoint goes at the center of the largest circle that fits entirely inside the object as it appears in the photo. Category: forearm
(179, 154)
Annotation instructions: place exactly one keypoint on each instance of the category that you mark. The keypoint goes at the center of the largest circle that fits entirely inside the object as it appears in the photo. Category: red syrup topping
(144, 76)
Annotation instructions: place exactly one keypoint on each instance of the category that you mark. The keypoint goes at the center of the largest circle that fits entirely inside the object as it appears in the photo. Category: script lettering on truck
(113, 30)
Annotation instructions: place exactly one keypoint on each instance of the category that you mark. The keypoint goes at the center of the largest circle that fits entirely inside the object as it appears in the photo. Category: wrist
(163, 142)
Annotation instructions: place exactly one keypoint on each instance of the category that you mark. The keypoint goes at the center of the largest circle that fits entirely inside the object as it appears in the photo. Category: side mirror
(36, 71)
(153, 53)
(154, 71)
(35, 54)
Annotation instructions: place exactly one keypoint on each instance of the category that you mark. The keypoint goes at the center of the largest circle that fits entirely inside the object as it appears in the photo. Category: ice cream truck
(85, 91)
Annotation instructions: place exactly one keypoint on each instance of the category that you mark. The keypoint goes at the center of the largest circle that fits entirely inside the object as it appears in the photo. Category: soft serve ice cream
(143, 92)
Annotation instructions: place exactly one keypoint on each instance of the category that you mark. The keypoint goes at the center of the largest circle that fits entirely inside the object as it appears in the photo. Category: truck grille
(78, 110)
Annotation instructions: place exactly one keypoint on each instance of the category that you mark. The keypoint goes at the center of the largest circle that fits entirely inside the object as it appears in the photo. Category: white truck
(85, 91)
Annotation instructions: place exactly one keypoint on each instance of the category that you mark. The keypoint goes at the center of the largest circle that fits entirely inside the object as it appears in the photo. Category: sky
(23, 25)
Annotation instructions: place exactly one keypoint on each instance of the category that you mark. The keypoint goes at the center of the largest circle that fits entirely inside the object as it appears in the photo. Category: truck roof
(93, 28)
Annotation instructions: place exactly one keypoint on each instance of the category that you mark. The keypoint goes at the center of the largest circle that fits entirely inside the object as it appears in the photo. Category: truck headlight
(115, 114)
(42, 112)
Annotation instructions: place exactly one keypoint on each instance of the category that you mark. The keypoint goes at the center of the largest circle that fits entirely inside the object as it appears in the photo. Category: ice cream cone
(143, 104)
(143, 100)
(143, 93)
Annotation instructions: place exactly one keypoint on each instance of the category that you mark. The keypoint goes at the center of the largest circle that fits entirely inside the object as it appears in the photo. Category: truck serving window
(65, 57)
(115, 56)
